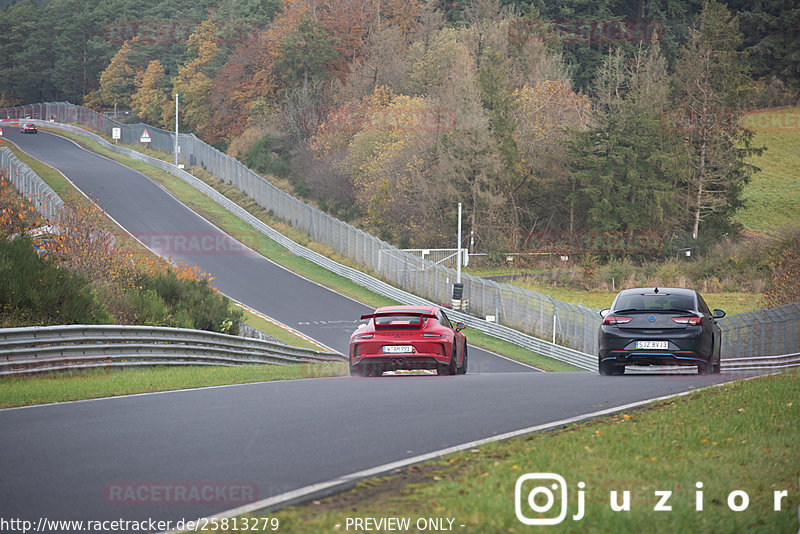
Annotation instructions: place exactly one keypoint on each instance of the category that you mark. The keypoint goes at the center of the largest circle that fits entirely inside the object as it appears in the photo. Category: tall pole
(458, 263)
(176, 129)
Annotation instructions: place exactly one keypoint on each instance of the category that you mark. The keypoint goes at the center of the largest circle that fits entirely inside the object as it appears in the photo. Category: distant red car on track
(396, 338)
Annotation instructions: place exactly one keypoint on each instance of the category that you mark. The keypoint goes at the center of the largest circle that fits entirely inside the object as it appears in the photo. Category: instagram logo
(541, 498)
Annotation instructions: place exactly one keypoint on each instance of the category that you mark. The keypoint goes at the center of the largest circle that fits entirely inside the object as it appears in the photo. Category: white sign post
(177, 146)
(145, 137)
(116, 134)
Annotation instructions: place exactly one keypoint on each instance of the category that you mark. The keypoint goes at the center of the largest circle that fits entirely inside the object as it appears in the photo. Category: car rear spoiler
(415, 319)
(404, 313)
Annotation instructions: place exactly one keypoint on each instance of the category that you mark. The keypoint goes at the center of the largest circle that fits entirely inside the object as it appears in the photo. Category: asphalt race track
(128, 457)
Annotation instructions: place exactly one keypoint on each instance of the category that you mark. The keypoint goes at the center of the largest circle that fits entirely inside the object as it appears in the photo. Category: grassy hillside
(773, 195)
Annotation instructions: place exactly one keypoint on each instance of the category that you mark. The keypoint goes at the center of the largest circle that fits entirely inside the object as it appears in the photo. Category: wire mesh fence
(28, 183)
(767, 332)
(572, 325)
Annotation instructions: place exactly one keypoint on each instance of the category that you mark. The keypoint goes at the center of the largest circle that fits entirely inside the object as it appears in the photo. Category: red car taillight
(692, 320)
(615, 319)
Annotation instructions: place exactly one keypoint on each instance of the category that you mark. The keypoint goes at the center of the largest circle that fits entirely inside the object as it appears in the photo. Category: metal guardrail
(39, 349)
(245, 330)
(759, 363)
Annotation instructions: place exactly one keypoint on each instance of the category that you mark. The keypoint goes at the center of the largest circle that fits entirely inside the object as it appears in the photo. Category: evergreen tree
(627, 169)
(710, 79)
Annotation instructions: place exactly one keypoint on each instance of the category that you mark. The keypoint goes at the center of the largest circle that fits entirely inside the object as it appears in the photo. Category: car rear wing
(394, 319)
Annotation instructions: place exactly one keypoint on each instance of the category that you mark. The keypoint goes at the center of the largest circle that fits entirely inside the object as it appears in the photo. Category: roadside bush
(186, 303)
(618, 270)
(16, 214)
(85, 276)
(269, 155)
(149, 309)
(34, 291)
(785, 284)
(669, 272)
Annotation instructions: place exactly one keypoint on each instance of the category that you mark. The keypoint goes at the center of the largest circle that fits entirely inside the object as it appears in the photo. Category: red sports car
(407, 337)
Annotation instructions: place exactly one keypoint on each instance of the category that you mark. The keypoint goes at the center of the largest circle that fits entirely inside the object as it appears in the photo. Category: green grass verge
(279, 254)
(740, 436)
(773, 195)
(79, 385)
(730, 301)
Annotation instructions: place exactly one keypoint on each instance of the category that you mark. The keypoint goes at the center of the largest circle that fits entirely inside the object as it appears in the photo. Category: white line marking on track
(346, 481)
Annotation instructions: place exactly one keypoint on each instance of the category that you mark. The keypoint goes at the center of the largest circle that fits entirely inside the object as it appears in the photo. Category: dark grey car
(659, 326)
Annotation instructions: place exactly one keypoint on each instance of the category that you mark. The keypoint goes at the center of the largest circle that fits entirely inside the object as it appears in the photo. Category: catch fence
(29, 184)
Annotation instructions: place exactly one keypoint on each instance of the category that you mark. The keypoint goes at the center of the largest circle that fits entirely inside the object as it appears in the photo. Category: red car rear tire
(449, 368)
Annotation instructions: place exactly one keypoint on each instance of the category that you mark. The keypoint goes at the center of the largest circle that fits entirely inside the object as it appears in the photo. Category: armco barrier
(40, 349)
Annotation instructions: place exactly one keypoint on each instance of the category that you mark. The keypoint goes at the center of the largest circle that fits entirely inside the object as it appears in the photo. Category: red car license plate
(397, 349)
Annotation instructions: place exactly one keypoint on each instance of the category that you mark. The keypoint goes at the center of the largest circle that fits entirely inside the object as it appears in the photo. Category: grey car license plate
(657, 345)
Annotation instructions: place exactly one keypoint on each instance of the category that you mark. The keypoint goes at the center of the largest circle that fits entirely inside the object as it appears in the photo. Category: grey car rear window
(655, 302)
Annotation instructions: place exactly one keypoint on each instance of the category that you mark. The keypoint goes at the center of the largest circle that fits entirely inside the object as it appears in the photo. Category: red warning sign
(145, 137)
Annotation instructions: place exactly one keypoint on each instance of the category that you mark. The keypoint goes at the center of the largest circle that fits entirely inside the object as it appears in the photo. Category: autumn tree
(467, 161)
(231, 93)
(194, 82)
(784, 288)
(149, 99)
(117, 82)
(388, 162)
(543, 114)
(384, 64)
(348, 23)
(429, 61)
